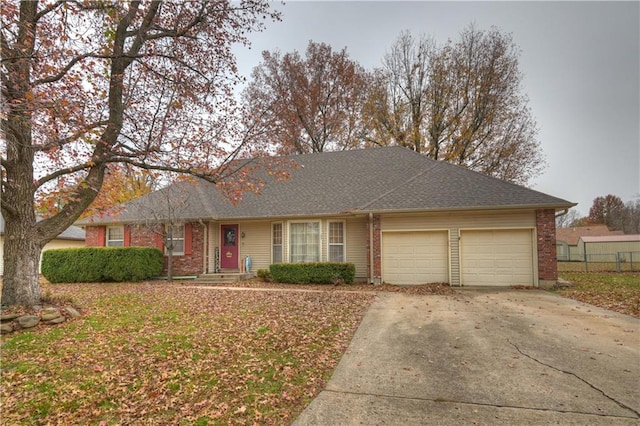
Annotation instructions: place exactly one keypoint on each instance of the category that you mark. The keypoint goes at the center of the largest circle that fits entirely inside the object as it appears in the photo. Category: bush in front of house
(313, 273)
(101, 264)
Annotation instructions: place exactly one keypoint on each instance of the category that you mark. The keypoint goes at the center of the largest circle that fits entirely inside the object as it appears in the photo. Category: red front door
(229, 247)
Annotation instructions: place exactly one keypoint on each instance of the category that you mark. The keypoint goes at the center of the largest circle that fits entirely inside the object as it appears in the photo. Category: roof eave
(554, 206)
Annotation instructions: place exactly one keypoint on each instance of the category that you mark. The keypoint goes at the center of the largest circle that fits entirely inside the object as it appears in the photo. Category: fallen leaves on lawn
(155, 353)
(613, 291)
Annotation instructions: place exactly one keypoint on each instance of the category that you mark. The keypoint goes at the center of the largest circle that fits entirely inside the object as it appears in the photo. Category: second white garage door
(415, 257)
(496, 257)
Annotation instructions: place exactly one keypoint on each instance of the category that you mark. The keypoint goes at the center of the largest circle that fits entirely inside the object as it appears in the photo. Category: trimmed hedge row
(101, 264)
(313, 273)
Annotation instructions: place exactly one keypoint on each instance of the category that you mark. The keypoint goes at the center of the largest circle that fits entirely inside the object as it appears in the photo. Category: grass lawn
(617, 292)
(156, 353)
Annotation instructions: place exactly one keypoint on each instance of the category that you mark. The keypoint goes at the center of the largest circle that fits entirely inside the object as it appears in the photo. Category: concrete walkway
(485, 357)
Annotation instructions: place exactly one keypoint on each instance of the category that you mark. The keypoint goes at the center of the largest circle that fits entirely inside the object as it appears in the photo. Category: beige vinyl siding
(213, 234)
(256, 243)
(461, 220)
(357, 240)
(454, 255)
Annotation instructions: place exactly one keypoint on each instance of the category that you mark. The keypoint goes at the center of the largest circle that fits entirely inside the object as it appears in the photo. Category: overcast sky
(580, 62)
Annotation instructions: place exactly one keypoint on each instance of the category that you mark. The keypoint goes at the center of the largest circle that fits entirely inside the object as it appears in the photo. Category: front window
(276, 243)
(115, 236)
(336, 241)
(176, 233)
(304, 238)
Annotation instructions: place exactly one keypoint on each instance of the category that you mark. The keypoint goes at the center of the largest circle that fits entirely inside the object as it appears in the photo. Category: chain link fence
(623, 261)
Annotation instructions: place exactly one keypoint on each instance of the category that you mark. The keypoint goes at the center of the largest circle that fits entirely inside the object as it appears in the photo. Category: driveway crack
(471, 403)
(621, 404)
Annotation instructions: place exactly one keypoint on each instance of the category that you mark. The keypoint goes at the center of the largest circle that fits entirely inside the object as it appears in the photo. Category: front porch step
(224, 277)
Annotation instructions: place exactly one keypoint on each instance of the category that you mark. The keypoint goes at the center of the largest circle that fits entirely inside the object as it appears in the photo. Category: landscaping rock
(73, 313)
(57, 320)
(6, 327)
(8, 317)
(28, 321)
(50, 314)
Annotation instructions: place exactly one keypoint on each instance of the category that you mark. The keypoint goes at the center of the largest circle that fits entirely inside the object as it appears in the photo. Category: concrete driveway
(485, 357)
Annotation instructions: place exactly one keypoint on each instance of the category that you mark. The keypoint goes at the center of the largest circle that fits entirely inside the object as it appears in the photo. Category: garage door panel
(496, 257)
(415, 257)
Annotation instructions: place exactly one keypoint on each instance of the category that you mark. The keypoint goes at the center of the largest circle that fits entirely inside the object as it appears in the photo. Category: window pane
(178, 231)
(115, 236)
(336, 253)
(178, 246)
(336, 241)
(116, 233)
(277, 254)
(305, 242)
(177, 237)
(336, 232)
(277, 233)
(276, 246)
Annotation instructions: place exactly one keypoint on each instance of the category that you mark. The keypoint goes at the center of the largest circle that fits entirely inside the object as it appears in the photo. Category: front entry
(229, 247)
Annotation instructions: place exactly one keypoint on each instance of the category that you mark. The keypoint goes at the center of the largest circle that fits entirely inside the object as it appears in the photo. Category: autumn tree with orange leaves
(87, 84)
(309, 104)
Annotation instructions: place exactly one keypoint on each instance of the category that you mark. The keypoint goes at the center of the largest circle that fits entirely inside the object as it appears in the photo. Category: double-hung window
(304, 242)
(336, 242)
(276, 242)
(176, 233)
(115, 236)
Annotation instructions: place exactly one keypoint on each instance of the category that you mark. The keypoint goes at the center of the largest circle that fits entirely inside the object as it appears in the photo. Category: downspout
(562, 213)
(205, 246)
(371, 269)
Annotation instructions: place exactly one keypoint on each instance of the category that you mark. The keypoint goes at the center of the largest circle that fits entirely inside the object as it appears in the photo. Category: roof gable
(369, 180)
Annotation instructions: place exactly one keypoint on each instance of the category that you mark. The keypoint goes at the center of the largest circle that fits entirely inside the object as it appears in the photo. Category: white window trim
(108, 238)
(175, 253)
(289, 240)
(344, 239)
(282, 231)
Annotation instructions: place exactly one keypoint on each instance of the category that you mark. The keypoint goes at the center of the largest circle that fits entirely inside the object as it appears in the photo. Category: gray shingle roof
(71, 233)
(369, 180)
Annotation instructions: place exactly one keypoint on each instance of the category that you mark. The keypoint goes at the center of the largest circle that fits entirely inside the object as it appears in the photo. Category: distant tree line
(607, 210)
(461, 102)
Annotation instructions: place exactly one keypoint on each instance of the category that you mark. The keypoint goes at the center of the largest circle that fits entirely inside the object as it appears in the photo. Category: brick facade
(546, 231)
(377, 251)
(191, 263)
(94, 236)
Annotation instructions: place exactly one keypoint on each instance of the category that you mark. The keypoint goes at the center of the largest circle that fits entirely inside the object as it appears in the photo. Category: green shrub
(101, 264)
(313, 273)
(264, 275)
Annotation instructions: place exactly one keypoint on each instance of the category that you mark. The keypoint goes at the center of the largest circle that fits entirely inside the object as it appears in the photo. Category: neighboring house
(567, 240)
(71, 237)
(398, 216)
(610, 248)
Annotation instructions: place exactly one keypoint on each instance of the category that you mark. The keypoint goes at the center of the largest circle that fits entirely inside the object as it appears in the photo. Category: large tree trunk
(21, 284)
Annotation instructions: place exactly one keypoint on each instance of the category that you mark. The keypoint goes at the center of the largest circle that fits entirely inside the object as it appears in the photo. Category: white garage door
(415, 257)
(497, 257)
